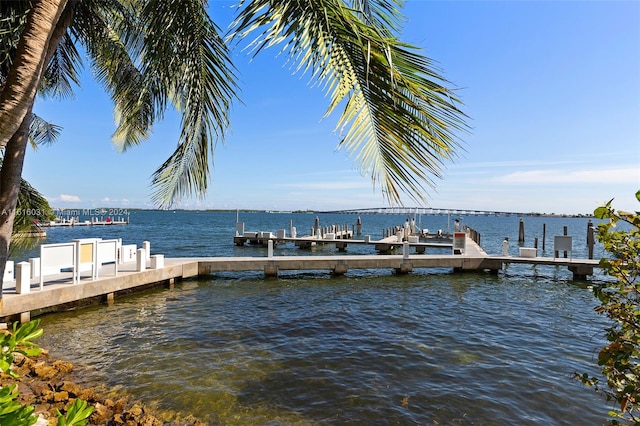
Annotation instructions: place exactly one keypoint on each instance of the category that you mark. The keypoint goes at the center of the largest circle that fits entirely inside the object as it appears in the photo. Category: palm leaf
(185, 54)
(111, 35)
(62, 70)
(157, 53)
(31, 207)
(399, 119)
(13, 15)
(42, 132)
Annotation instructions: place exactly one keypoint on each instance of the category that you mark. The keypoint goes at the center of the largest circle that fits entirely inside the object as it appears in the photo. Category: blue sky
(552, 89)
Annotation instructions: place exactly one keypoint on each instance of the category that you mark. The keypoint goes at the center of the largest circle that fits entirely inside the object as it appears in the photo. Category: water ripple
(470, 349)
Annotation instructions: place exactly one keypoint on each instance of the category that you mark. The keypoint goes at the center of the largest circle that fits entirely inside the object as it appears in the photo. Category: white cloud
(69, 198)
(510, 163)
(105, 200)
(554, 176)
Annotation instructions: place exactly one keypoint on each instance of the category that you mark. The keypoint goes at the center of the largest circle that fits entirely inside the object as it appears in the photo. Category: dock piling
(141, 260)
(590, 238)
(23, 278)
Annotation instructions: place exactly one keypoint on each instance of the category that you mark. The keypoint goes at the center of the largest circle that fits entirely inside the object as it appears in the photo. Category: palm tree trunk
(10, 176)
(15, 149)
(19, 89)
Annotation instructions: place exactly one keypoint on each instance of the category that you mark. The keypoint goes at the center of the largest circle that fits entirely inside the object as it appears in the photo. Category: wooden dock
(70, 223)
(342, 241)
(60, 293)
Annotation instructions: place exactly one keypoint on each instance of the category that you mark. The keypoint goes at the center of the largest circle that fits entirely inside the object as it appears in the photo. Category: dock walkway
(385, 245)
(59, 292)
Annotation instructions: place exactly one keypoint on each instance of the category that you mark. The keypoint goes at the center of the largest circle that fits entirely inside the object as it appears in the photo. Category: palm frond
(156, 53)
(185, 54)
(400, 117)
(13, 15)
(111, 34)
(31, 208)
(41, 132)
(62, 70)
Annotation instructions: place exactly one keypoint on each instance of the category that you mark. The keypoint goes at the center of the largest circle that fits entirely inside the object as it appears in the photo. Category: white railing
(78, 256)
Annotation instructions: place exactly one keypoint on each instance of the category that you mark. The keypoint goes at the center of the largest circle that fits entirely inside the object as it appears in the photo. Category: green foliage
(77, 414)
(620, 302)
(31, 209)
(12, 413)
(19, 341)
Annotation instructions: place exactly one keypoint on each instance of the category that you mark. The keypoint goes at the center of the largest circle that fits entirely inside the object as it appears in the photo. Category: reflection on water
(424, 348)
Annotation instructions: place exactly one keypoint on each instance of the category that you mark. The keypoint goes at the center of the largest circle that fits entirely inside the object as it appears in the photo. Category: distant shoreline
(366, 211)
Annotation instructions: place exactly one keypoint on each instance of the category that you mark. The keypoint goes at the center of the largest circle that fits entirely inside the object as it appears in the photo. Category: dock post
(341, 268)
(405, 250)
(141, 260)
(521, 232)
(565, 232)
(23, 278)
(271, 269)
(270, 248)
(405, 268)
(157, 261)
(580, 272)
(544, 235)
(34, 262)
(590, 238)
(146, 245)
(341, 246)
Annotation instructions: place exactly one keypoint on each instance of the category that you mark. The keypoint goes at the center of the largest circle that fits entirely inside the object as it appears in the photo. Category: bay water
(369, 347)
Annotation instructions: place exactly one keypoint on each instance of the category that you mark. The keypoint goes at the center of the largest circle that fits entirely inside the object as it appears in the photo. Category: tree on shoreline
(619, 361)
(399, 116)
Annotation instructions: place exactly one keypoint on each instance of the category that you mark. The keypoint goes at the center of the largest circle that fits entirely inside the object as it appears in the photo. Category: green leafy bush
(77, 414)
(620, 301)
(19, 341)
(12, 413)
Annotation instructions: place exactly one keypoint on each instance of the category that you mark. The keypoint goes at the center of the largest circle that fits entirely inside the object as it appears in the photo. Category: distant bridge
(434, 211)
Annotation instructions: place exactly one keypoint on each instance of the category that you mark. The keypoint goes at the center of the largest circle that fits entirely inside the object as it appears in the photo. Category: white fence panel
(56, 257)
(86, 254)
(107, 252)
(128, 253)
